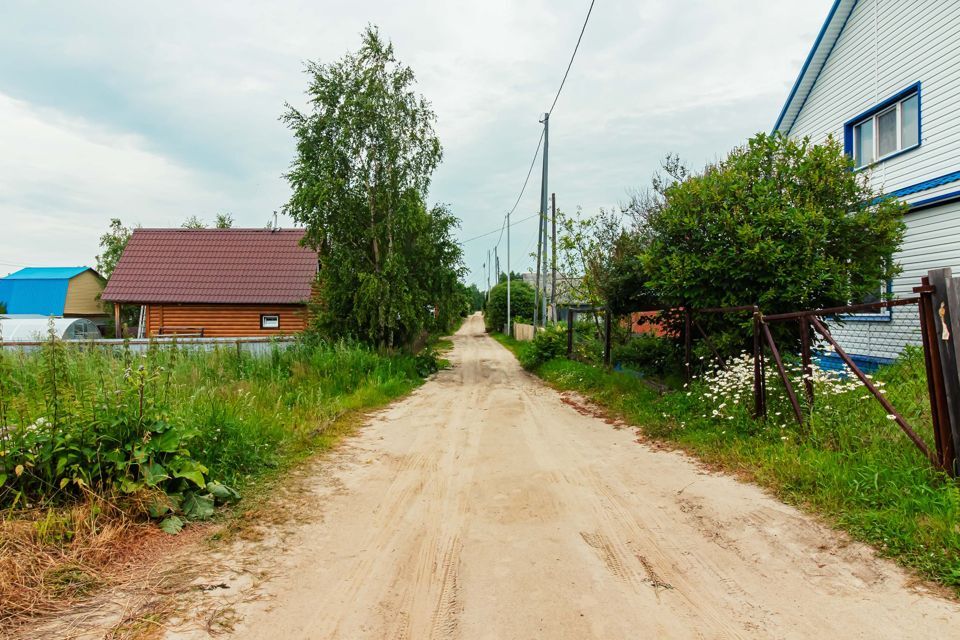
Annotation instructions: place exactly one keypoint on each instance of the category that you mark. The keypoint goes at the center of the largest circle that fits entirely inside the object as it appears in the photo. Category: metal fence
(588, 333)
(255, 346)
(848, 343)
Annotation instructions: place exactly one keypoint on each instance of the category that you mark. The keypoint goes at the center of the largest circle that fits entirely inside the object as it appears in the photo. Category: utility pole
(536, 278)
(546, 263)
(508, 275)
(489, 270)
(542, 233)
(553, 259)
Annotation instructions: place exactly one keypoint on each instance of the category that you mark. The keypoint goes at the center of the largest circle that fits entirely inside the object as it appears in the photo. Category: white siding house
(884, 78)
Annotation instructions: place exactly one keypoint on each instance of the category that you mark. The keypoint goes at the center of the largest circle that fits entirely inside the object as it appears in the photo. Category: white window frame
(274, 323)
(875, 118)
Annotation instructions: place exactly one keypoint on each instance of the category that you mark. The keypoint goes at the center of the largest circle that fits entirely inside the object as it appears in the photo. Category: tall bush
(781, 223)
(521, 304)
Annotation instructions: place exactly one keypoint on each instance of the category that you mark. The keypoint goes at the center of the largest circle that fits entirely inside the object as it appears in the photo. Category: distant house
(884, 78)
(71, 292)
(568, 292)
(215, 282)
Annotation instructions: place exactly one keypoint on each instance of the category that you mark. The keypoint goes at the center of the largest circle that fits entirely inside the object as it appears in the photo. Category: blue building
(53, 291)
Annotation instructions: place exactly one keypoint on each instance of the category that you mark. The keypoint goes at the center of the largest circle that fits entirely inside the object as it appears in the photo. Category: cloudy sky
(152, 112)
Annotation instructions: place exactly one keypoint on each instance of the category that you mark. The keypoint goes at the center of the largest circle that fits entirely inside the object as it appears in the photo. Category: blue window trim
(886, 316)
(892, 100)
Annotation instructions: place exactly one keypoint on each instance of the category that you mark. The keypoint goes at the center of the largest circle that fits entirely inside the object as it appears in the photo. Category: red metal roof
(229, 266)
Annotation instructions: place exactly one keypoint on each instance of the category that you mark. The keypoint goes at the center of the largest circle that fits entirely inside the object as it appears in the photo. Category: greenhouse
(37, 328)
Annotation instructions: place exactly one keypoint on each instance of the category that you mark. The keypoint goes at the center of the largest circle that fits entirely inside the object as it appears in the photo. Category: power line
(526, 181)
(490, 233)
(536, 153)
(572, 56)
(529, 171)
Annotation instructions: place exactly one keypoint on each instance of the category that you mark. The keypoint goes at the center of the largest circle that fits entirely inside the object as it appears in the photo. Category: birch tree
(366, 151)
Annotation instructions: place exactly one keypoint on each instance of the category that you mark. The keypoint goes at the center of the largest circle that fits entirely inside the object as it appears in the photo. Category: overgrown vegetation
(779, 223)
(172, 421)
(93, 441)
(850, 463)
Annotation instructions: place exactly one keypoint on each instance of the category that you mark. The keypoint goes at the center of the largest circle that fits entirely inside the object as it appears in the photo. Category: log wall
(223, 320)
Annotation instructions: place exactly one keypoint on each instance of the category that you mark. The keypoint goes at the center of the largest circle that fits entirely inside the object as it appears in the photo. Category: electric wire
(536, 153)
(513, 224)
(572, 56)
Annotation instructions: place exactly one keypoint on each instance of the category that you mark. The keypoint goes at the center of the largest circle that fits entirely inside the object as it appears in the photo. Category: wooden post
(807, 360)
(946, 313)
(570, 314)
(607, 330)
(117, 329)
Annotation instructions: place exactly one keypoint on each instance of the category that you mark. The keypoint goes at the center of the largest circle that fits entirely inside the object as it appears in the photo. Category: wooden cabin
(215, 282)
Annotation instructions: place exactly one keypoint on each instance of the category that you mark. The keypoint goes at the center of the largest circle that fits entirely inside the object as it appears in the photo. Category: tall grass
(76, 419)
(849, 462)
(96, 444)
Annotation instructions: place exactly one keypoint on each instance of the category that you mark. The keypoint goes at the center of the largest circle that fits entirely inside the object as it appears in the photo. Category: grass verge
(849, 464)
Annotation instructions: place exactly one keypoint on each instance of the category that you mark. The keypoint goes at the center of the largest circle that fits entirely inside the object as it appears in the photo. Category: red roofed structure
(215, 282)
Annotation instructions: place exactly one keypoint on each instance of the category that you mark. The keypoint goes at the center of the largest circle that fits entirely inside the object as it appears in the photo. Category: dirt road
(484, 506)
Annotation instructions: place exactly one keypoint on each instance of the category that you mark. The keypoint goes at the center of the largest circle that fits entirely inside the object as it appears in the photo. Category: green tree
(514, 275)
(223, 221)
(781, 223)
(193, 222)
(366, 150)
(521, 305)
(475, 298)
(112, 244)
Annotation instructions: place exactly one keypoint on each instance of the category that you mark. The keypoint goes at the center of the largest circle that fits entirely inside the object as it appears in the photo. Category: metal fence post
(759, 401)
(783, 373)
(807, 360)
(570, 314)
(688, 341)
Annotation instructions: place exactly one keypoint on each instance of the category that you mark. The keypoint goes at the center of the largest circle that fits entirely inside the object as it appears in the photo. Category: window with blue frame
(888, 129)
(883, 314)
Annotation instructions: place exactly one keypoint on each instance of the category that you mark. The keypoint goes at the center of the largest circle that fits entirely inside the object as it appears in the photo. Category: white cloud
(155, 113)
(62, 178)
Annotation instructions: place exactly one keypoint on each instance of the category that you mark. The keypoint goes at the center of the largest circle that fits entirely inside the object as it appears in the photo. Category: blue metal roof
(37, 290)
(46, 273)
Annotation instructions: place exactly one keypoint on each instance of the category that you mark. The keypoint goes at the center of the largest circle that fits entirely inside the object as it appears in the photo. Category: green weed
(178, 429)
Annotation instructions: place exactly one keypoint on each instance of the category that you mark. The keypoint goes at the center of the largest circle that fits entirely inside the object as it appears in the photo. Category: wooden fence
(523, 331)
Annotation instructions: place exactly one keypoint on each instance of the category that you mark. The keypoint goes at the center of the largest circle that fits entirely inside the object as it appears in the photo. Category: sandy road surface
(484, 506)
